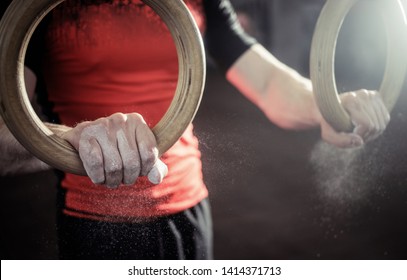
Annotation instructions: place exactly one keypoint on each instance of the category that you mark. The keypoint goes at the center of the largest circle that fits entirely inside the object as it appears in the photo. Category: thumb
(157, 172)
(341, 139)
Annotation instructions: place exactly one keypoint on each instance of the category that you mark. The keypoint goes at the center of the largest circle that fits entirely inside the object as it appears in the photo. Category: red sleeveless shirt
(111, 58)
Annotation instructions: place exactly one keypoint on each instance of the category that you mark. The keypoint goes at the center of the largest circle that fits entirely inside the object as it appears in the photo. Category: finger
(354, 104)
(147, 146)
(382, 114)
(342, 139)
(111, 157)
(130, 156)
(363, 123)
(370, 110)
(157, 172)
(92, 159)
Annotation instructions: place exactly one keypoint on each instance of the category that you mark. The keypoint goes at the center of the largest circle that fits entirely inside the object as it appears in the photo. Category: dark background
(275, 194)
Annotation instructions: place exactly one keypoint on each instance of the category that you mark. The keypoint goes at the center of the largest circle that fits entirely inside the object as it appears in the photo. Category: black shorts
(185, 235)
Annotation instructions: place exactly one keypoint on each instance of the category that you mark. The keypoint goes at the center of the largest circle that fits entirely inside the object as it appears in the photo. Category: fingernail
(154, 176)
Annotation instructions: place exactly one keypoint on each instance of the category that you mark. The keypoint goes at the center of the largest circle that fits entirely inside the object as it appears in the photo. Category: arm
(287, 100)
(280, 92)
(14, 158)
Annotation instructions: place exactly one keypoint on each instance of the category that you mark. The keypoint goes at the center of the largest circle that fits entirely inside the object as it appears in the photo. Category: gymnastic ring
(16, 28)
(323, 53)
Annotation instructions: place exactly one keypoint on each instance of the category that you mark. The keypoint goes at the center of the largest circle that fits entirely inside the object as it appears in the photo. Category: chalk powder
(346, 181)
(346, 176)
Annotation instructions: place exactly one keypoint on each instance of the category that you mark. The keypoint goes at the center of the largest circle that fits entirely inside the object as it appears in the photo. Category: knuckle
(346, 97)
(118, 118)
(137, 117)
(353, 104)
(374, 94)
(112, 170)
(363, 93)
(104, 122)
(352, 100)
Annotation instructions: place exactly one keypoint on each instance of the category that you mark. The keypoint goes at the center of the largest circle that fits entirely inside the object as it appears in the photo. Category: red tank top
(112, 58)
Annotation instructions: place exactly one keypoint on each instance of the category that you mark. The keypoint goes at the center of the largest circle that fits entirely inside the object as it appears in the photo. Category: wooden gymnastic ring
(16, 28)
(323, 53)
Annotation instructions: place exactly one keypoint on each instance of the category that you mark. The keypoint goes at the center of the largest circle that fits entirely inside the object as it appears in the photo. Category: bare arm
(15, 159)
(287, 100)
(279, 91)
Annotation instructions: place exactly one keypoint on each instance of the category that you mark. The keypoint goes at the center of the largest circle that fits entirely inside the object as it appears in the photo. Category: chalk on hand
(158, 172)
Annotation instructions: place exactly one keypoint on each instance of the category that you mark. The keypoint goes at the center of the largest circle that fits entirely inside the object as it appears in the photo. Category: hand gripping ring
(323, 52)
(16, 28)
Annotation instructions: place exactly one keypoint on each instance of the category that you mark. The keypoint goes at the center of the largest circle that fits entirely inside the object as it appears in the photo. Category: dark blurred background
(275, 194)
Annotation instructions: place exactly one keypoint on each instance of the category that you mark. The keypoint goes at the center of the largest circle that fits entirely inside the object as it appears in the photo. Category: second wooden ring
(323, 58)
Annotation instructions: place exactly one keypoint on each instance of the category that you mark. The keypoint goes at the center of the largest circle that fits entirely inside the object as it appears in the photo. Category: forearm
(280, 92)
(14, 158)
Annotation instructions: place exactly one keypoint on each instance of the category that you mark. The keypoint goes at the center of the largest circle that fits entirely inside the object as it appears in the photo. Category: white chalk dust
(346, 176)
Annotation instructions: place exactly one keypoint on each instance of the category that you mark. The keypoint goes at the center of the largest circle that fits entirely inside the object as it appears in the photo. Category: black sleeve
(225, 39)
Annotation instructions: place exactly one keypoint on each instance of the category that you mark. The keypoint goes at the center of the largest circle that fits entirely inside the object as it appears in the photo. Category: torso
(121, 59)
